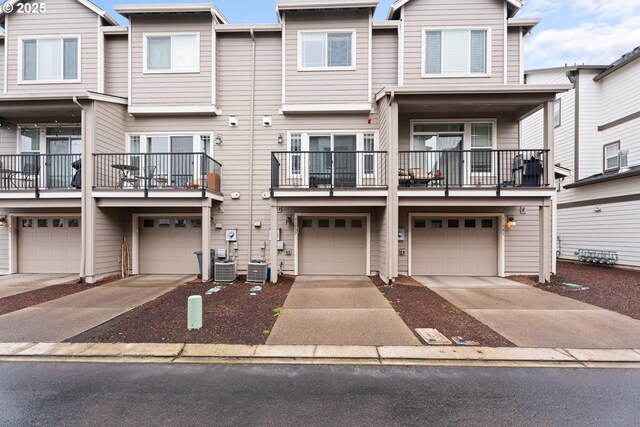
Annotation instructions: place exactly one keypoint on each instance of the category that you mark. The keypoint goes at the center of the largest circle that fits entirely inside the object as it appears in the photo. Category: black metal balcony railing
(157, 171)
(36, 172)
(329, 169)
(497, 169)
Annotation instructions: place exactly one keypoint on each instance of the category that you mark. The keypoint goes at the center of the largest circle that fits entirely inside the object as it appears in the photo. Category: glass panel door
(450, 163)
(319, 161)
(59, 170)
(182, 167)
(345, 167)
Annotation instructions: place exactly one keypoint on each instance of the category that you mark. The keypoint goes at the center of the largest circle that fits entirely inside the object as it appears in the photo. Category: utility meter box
(231, 235)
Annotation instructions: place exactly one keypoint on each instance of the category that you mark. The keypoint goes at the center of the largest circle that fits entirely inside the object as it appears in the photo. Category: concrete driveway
(61, 319)
(326, 310)
(531, 317)
(15, 284)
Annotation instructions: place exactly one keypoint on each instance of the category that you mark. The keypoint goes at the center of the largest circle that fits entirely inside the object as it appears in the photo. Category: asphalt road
(109, 394)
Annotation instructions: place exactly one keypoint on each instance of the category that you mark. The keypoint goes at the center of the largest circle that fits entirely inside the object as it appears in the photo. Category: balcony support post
(549, 138)
(206, 242)
(545, 232)
(273, 243)
(392, 198)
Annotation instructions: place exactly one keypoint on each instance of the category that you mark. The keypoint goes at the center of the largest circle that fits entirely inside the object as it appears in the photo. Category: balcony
(39, 175)
(331, 172)
(159, 175)
(497, 170)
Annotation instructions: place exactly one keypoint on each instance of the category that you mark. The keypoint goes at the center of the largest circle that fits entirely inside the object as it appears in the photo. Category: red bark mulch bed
(420, 307)
(231, 316)
(614, 289)
(50, 293)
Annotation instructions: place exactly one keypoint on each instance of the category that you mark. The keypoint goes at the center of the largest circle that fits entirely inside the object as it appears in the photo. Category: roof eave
(127, 10)
(395, 6)
(354, 4)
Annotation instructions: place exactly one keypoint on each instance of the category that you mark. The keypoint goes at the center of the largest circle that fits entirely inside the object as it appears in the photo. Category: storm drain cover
(433, 337)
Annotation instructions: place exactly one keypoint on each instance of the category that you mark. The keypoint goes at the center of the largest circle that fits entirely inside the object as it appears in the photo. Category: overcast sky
(572, 31)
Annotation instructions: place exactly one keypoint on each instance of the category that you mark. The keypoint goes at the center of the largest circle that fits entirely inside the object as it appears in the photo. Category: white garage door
(332, 246)
(49, 245)
(464, 246)
(167, 245)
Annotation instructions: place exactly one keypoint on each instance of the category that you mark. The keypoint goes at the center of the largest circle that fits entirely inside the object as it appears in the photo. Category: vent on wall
(225, 271)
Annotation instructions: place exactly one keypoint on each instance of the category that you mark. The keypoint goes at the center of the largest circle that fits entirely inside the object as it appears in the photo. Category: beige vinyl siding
(8, 140)
(385, 59)
(615, 228)
(110, 128)
(63, 17)
(116, 74)
(620, 93)
(622, 187)
(171, 89)
(521, 242)
(445, 13)
(2, 65)
(590, 117)
(507, 129)
(513, 55)
(108, 234)
(327, 87)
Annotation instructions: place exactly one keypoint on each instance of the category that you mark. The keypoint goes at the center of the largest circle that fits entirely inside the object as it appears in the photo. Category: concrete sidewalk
(15, 284)
(339, 311)
(60, 319)
(531, 317)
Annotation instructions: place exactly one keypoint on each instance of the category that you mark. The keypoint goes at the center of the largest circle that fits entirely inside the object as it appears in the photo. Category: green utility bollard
(194, 312)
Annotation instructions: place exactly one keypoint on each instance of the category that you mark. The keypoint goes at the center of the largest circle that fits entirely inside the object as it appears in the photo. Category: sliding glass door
(64, 151)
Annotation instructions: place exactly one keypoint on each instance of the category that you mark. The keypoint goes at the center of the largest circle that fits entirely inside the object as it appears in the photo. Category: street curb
(319, 355)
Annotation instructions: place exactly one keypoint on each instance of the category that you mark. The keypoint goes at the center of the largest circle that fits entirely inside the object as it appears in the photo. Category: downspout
(83, 212)
(251, 141)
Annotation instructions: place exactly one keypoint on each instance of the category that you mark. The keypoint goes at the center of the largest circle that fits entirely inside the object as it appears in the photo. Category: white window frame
(424, 73)
(557, 113)
(49, 37)
(361, 177)
(145, 38)
(328, 68)
(605, 158)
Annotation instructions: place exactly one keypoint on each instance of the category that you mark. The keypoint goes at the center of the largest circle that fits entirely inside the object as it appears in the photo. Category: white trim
(354, 41)
(129, 66)
(500, 237)
(467, 129)
(385, 25)
(370, 55)
(296, 233)
(337, 193)
(284, 59)
(101, 59)
(47, 37)
(106, 98)
(214, 64)
(326, 108)
(6, 53)
(488, 48)
(135, 234)
(85, 3)
(145, 38)
(505, 48)
(401, 50)
(178, 109)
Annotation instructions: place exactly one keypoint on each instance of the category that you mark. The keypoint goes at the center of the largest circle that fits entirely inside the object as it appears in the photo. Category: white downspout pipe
(251, 142)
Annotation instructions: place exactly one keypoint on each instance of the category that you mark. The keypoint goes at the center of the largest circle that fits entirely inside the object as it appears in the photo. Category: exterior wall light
(280, 138)
(3, 220)
(511, 222)
(218, 139)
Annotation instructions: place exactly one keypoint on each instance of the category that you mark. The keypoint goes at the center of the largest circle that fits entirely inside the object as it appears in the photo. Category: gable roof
(323, 4)
(624, 60)
(88, 4)
(127, 10)
(398, 4)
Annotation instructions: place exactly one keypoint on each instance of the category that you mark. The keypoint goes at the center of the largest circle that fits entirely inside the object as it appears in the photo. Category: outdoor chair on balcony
(148, 180)
(27, 178)
(404, 178)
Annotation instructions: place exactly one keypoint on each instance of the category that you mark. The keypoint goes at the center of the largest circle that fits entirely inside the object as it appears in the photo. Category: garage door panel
(461, 247)
(331, 250)
(43, 248)
(168, 250)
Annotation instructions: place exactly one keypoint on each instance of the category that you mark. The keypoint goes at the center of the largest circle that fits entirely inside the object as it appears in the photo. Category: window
(43, 223)
(73, 223)
(453, 223)
(340, 223)
(326, 50)
(30, 140)
(455, 52)
(296, 147)
(436, 223)
(420, 223)
(148, 223)
(557, 113)
(369, 156)
(356, 223)
(50, 59)
(307, 223)
(324, 223)
(164, 223)
(196, 223)
(178, 53)
(481, 145)
(58, 223)
(180, 223)
(469, 223)
(27, 223)
(611, 156)
(487, 223)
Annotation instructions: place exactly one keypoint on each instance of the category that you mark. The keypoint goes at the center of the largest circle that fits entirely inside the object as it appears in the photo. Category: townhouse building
(597, 134)
(327, 143)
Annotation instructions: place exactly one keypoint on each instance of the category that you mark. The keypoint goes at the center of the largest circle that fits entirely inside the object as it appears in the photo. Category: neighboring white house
(596, 124)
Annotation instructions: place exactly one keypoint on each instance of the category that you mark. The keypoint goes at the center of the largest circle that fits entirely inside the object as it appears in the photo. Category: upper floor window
(327, 50)
(611, 156)
(455, 53)
(50, 60)
(177, 53)
(557, 113)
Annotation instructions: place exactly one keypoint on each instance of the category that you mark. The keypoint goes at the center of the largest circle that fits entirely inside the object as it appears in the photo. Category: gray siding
(8, 140)
(116, 73)
(385, 59)
(63, 17)
(110, 126)
(108, 234)
(420, 14)
(167, 89)
(327, 87)
(513, 56)
(2, 65)
(4, 249)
